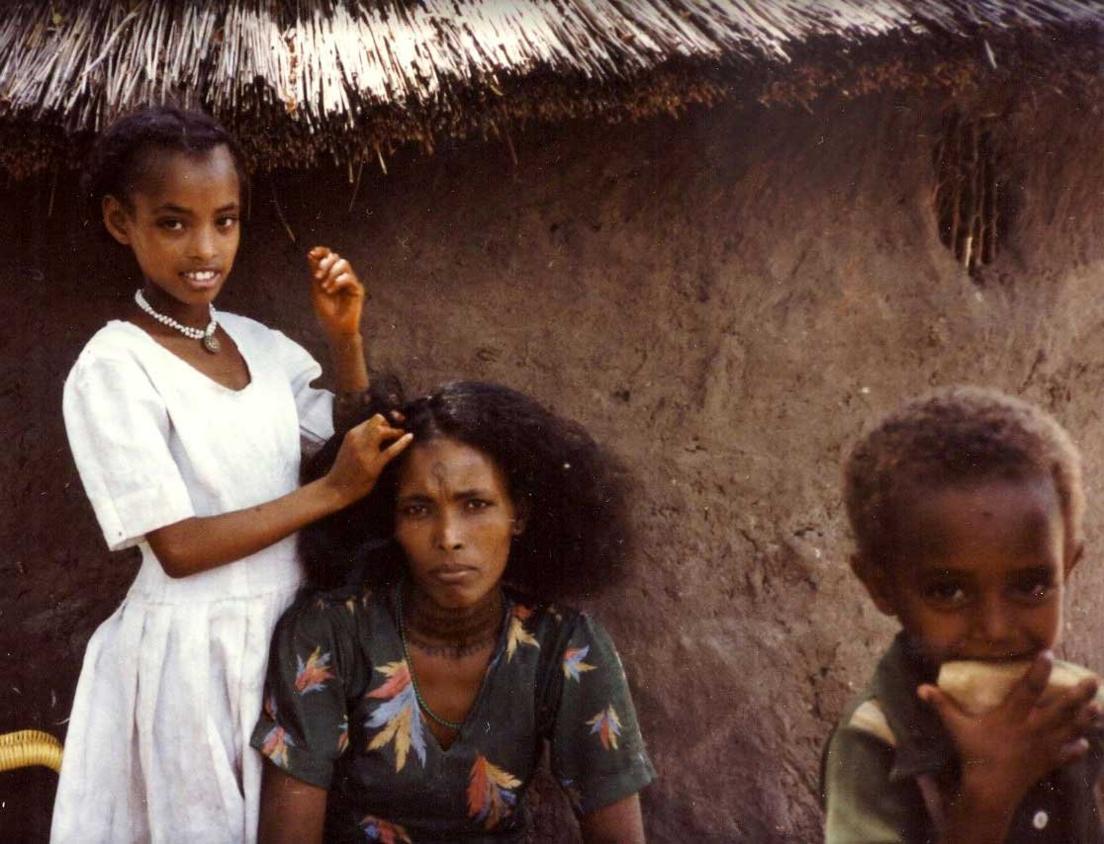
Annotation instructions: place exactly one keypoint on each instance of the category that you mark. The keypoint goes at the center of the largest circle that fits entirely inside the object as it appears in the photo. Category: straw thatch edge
(967, 71)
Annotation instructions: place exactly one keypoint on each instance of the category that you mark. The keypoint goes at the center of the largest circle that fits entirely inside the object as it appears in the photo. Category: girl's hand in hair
(365, 451)
(336, 294)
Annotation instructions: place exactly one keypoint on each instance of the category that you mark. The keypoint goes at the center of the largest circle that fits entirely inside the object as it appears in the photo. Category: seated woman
(410, 701)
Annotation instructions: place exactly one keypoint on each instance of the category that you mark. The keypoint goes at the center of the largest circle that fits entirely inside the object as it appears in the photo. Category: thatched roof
(305, 81)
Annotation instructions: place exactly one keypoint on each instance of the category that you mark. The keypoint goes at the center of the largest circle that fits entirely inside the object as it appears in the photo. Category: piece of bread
(978, 687)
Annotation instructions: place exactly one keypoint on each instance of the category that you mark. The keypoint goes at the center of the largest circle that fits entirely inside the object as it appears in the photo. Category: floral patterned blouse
(340, 713)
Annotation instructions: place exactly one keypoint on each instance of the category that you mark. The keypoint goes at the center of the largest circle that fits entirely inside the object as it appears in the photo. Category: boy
(966, 508)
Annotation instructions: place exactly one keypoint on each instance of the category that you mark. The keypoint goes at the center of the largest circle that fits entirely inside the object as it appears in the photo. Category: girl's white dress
(157, 748)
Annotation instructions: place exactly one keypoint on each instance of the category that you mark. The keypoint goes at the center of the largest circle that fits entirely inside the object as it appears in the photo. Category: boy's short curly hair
(954, 436)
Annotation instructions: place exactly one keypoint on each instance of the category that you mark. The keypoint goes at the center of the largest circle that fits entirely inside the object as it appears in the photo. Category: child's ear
(115, 219)
(874, 578)
(1074, 558)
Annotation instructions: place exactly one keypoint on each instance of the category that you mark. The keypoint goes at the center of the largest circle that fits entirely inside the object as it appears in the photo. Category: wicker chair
(25, 748)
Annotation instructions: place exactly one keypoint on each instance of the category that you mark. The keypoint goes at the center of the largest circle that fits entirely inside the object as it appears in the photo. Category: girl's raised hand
(363, 456)
(336, 293)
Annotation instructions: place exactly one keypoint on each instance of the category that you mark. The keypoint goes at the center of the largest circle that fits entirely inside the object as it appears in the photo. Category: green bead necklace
(444, 722)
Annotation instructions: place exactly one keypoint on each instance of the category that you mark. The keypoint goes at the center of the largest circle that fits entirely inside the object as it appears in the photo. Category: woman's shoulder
(552, 624)
(339, 611)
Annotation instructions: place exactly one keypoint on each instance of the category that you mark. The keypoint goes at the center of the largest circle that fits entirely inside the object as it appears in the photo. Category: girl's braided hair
(119, 159)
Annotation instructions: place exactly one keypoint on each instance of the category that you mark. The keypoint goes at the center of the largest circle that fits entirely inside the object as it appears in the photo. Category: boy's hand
(336, 294)
(1006, 751)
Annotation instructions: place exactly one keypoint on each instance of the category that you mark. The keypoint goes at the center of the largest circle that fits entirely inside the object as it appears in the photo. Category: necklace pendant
(211, 343)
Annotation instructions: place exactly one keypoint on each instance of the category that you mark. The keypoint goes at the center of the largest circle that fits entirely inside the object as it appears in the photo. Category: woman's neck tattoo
(449, 651)
(451, 633)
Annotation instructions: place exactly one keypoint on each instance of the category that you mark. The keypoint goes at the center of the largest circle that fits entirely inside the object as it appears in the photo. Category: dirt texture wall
(726, 299)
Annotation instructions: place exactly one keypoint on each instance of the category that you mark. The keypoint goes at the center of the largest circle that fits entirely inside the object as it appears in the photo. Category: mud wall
(727, 299)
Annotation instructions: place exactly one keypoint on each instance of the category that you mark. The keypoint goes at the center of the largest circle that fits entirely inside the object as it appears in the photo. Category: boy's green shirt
(871, 785)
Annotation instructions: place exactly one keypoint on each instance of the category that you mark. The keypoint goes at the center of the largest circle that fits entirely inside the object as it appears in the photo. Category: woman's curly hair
(576, 537)
(118, 160)
(955, 436)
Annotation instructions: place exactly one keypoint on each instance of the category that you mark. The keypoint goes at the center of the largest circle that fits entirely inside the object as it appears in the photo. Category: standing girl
(186, 428)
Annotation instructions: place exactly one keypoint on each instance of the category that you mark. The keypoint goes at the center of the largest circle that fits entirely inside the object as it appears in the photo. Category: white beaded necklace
(206, 335)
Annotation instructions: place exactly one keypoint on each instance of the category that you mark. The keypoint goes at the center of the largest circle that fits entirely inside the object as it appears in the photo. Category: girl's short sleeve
(118, 429)
(598, 753)
(315, 405)
(304, 726)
